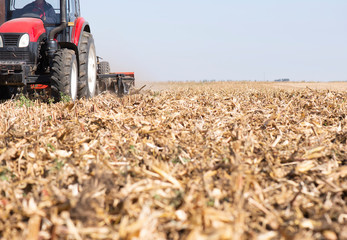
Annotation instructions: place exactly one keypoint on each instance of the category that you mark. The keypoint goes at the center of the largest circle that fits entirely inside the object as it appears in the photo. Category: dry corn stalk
(195, 161)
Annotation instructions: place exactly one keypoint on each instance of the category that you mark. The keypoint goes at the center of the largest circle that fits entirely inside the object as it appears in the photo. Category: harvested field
(197, 161)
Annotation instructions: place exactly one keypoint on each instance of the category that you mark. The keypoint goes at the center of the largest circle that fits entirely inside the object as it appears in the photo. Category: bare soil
(333, 86)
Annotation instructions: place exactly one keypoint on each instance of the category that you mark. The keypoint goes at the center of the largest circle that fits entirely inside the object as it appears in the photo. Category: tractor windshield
(48, 10)
(18, 4)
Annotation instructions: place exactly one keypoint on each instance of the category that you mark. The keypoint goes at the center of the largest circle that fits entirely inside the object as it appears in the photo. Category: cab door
(72, 13)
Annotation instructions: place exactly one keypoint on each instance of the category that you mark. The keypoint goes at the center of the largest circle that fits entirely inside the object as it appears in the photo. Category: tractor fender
(81, 25)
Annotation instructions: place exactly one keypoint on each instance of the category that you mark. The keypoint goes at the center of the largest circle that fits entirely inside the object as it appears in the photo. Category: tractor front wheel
(88, 65)
(64, 75)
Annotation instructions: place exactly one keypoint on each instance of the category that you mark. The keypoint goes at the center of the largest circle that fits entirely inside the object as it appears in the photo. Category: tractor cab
(11, 9)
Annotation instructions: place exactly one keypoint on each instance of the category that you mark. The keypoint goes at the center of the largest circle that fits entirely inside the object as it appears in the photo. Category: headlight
(1, 43)
(24, 41)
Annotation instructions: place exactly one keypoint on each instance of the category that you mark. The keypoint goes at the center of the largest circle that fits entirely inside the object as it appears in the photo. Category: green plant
(50, 146)
(64, 98)
(6, 174)
(186, 160)
(58, 165)
(50, 101)
(24, 101)
(157, 197)
(132, 147)
(155, 93)
(177, 200)
(210, 202)
(175, 160)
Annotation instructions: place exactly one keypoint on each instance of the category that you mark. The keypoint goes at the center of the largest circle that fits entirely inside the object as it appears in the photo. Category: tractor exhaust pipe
(53, 45)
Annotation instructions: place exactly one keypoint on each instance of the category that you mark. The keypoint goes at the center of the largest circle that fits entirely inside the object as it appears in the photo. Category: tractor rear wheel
(87, 55)
(104, 67)
(64, 75)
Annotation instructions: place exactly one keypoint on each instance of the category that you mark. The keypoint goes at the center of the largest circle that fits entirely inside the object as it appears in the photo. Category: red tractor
(51, 46)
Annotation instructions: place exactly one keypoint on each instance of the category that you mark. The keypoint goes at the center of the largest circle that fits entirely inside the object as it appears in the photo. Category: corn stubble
(197, 161)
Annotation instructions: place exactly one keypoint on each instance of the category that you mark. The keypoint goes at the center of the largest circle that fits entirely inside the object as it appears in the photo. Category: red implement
(128, 74)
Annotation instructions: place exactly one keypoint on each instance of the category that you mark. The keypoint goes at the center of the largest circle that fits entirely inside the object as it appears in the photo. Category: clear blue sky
(222, 39)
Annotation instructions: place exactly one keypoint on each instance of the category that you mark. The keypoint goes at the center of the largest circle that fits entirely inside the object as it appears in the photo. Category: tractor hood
(32, 26)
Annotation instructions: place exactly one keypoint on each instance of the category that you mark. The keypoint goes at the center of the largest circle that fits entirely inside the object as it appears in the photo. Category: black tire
(4, 93)
(87, 55)
(64, 75)
(104, 68)
(7, 92)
